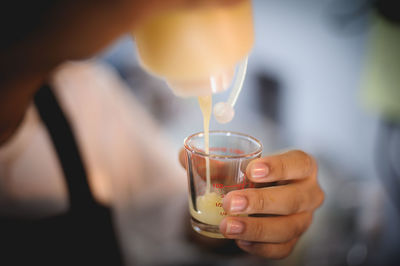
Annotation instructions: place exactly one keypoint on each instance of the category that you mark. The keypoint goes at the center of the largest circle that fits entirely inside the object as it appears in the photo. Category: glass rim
(217, 156)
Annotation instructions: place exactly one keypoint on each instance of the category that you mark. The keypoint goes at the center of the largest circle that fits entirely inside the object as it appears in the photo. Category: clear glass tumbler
(229, 155)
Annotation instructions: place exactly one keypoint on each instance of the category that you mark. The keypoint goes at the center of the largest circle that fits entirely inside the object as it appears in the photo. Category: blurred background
(307, 87)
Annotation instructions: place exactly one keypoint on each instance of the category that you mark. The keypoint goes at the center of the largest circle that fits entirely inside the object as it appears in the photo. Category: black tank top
(82, 236)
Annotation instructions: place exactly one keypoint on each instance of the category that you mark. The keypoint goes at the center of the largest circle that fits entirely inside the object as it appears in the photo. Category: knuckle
(279, 253)
(258, 201)
(308, 164)
(295, 231)
(294, 204)
(283, 167)
(304, 225)
(301, 226)
(307, 161)
(258, 231)
(299, 154)
(298, 226)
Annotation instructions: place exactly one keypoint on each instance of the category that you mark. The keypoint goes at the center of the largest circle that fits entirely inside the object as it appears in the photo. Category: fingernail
(259, 171)
(238, 204)
(244, 243)
(234, 227)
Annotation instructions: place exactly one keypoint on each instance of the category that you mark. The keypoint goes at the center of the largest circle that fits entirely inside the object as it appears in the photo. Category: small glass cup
(229, 155)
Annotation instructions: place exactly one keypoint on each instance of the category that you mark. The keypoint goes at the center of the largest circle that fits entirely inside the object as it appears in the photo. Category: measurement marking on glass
(242, 185)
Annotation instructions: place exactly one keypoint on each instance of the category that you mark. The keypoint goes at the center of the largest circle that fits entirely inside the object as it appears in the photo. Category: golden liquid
(209, 205)
(209, 210)
(194, 43)
(205, 106)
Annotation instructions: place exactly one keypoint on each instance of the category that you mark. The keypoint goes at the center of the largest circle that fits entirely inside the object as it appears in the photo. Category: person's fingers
(293, 198)
(268, 250)
(278, 229)
(290, 165)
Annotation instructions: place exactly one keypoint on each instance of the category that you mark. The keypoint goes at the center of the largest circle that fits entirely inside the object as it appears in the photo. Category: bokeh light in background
(303, 90)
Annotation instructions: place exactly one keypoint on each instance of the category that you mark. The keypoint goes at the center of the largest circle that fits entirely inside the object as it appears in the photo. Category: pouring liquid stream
(209, 208)
(205, 106)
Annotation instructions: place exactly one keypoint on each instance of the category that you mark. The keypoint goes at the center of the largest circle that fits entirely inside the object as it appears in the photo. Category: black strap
(66, 147)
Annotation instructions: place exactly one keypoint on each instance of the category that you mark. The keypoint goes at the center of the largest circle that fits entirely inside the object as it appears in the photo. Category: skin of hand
(284, 211)
(39, 36)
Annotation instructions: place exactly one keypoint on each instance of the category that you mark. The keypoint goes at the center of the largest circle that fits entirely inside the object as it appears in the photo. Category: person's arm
(68, 30)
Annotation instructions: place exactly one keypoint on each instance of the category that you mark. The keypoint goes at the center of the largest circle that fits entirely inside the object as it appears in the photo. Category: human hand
(292, 203)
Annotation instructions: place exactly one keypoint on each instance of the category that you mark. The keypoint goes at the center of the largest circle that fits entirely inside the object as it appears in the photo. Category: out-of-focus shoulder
(87, 77)
(90, 85)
